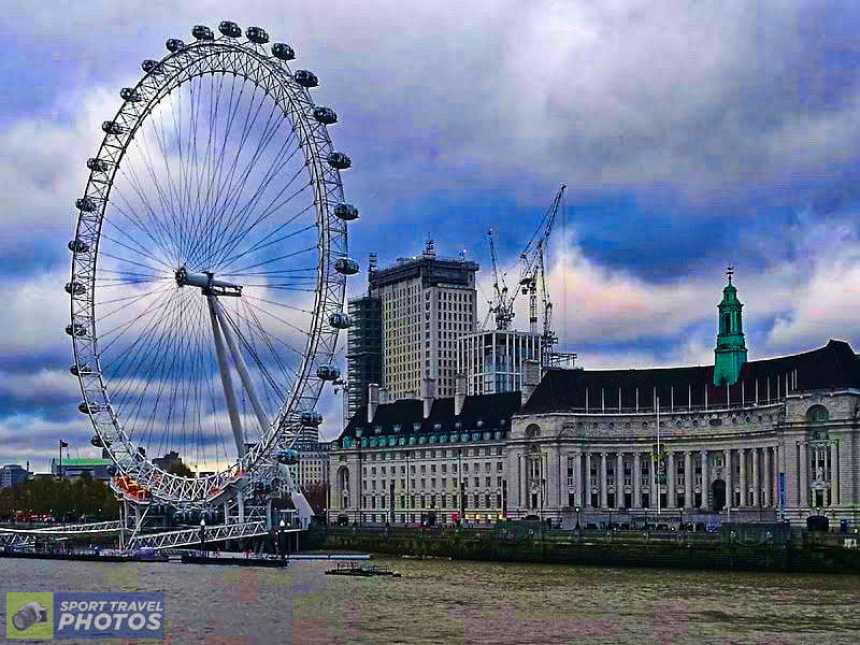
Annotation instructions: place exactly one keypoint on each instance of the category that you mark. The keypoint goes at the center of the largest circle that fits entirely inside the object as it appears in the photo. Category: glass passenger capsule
(112, 127)
(99, 165)
(230, 29)
(174, 44)
(78, 246)
(346, 212)
(151, 66)
(89, 408)
(129, 94)
(257, 35)
(79, 371)
(340, 320)
(283, 51)
(76, 329)
(325, 115)
(305, 78)
(339, 161)
(85, 204)
(75, 288)
(346, 266)
(202, 32)
(328, 372)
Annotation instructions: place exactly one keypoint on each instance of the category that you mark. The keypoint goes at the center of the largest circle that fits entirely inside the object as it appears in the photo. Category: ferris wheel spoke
(137, 361)
(255, 327)
(231, 220)
(156, 235)
(122, 328)
(214, 182)
(237, 237)
(144, 361)
(138, 251)
(227, 219)
(129, 301)
(160, 377)
(267, 241)
(283, 321)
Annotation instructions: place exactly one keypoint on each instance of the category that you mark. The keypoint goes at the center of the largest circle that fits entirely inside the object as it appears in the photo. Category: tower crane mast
(532, 283)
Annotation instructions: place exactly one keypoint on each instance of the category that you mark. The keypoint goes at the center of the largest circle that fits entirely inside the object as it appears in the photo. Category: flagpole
(659, 458)
(60, 467)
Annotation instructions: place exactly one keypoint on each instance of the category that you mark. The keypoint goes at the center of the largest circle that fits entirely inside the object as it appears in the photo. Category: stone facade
(726, 460)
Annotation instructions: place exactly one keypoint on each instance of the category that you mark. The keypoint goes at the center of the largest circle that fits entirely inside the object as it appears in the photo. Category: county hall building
(741, 440)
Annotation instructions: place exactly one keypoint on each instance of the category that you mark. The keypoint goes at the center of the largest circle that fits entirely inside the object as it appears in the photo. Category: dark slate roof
(833, 366)
(494, 410)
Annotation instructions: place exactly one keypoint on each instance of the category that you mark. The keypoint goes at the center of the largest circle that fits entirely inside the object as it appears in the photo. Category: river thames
(439, 601)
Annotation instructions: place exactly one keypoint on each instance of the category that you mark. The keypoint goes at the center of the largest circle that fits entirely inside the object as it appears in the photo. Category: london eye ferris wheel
(208, 268)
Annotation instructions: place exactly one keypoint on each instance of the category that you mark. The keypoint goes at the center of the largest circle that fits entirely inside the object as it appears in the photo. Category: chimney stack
(372, 401)
(459, 393)
(530, 379)
(428, 393)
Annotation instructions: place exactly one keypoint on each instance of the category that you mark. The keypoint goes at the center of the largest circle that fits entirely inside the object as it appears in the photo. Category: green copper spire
(730, 353)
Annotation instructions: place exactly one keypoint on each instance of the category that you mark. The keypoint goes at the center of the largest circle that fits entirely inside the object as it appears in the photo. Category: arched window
(727, 323)
(532, 431)
(817, 414)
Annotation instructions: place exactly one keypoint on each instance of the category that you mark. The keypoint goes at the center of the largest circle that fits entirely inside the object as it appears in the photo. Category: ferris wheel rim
(248, 60)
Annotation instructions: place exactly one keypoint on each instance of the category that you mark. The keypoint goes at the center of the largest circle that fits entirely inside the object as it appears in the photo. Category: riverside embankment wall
(801, 553)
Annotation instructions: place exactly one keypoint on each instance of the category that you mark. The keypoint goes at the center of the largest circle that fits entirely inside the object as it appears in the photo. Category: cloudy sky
(691, 135)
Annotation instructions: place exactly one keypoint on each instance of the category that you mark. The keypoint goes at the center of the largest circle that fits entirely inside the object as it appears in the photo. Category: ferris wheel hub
(207, 283)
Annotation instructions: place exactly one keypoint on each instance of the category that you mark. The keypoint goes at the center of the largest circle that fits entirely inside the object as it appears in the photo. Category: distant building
(313, 465)
(493, 360)
(12, 475)
(425, 303)
(364, 350)
(75, 467)
(172, 458)
(432, 461)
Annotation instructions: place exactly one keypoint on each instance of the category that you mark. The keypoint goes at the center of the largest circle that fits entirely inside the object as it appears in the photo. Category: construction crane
(533, 284)
(501, 307)
(533, 279)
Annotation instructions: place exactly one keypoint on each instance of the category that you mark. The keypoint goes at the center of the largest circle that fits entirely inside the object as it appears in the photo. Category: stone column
(670, 481)
(755, 480)
(603, 492)
(654, 487)
(767, 479)
(577, 479)
(727, 475)
(804, 482)
(706, 481)
(688, 479)
(637, 480)
(742, 477)
(619, 480)
(834, 474)
(588, 479)
(776, 467)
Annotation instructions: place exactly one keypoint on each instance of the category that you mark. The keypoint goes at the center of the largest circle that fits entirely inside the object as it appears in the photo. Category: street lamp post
(202, 537)
(281, 527)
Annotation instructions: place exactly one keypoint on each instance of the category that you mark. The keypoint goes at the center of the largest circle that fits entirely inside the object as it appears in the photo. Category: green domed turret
(730, 353)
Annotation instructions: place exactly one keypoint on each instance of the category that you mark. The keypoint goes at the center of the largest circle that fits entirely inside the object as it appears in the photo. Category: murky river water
(468, 602)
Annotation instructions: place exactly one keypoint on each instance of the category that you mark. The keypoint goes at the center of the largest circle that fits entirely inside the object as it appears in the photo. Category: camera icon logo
(29, 615)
